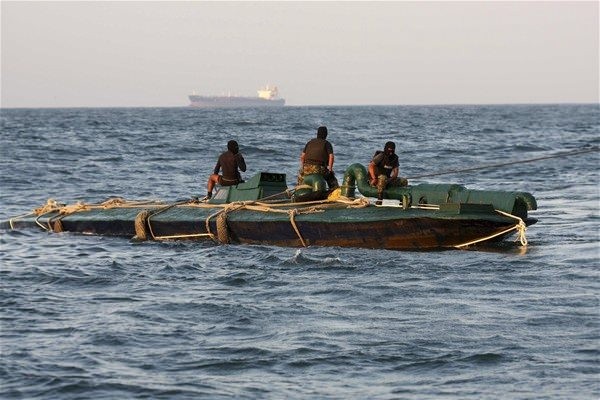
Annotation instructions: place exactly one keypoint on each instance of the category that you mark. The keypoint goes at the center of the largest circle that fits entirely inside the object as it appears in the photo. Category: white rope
(520, 227)
(11, 221)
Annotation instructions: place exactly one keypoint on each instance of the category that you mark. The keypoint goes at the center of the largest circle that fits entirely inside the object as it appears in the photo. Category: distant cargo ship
(267, 97)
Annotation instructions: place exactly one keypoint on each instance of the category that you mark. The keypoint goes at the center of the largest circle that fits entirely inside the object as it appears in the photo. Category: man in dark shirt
(317, 158)
(229, 161)
(383, 170)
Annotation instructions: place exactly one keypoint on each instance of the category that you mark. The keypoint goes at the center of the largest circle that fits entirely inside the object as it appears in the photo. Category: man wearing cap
(230, 161)
(317, 158)
(383, 170)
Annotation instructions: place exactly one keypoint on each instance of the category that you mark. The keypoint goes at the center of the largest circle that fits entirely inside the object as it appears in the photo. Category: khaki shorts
(227, 182)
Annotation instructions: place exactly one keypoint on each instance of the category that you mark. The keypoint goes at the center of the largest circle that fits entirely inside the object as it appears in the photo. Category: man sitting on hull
(317, 158)
(230, 161)
(383, 170)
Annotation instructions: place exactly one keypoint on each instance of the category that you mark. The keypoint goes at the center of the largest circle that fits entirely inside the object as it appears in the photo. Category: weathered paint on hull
(392, 235)
(371, 227)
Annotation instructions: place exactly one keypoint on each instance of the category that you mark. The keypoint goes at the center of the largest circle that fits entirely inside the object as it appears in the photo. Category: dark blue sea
(87, 317)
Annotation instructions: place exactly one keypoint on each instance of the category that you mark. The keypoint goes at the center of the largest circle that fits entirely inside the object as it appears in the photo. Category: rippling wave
(106, 318)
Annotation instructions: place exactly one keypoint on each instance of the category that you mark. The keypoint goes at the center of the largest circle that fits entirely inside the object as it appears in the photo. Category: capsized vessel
(260, 211)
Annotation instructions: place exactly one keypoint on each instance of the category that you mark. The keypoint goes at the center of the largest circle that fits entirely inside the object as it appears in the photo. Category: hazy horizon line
(316, 105)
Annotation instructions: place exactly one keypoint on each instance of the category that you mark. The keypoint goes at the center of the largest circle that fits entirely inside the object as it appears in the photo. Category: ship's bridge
(268, 93)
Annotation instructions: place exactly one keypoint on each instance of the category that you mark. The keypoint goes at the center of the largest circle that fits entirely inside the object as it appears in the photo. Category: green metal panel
(261, 185)
(516, 203)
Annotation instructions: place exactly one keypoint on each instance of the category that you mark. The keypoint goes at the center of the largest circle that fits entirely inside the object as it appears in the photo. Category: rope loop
(520, 227)
(292, 213)
(222, 229)
(57, 226)
(141, 225)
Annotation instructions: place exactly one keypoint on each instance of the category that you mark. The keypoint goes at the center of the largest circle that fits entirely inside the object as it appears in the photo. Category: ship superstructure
(267, 97)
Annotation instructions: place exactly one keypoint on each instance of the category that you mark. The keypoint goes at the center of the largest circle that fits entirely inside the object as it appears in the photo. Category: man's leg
(398, 181)
(332, 181)
(381, 184)
(212, 180)
(308, 169)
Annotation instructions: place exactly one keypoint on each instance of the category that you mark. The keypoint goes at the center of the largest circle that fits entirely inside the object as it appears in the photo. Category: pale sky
(89, 54)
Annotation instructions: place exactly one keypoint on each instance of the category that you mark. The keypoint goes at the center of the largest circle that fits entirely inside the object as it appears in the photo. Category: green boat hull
(242, 215)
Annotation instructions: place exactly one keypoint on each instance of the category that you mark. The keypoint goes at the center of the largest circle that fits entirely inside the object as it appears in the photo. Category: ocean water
(86, 317)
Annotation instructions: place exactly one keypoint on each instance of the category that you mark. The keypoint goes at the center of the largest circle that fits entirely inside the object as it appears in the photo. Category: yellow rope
(143, 218)
(263, 207)
(161, 210)
(360, 202)
(335, 194)
(292, 214)
(54, 223)
(57, 226)
(222, 231)
(141, 221)
(51, 205)
(212, 236)
(222, 235)
(119, 202)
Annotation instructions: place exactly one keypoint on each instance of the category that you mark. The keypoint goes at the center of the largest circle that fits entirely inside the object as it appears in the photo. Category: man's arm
(377, 158)
(217, 167)
(331, 159)
(241, 162)
(394, 173)
(373, 178)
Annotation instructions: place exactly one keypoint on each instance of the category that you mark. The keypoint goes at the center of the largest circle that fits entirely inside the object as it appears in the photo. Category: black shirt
(385, 163)
(230, 163)
(317, 151)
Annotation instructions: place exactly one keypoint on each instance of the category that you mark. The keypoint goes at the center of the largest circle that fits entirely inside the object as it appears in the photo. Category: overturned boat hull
(323, 224)
(259, 212)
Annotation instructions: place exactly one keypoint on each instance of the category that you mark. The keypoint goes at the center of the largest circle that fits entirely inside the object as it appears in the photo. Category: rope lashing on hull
(222, 235)
(54, 223)
(143, 221)
(222, 229)
(292, 214)
(50, 206)
(520, 227)
(57, 226)
(62, 210)
(141, 224)
(11, 221)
